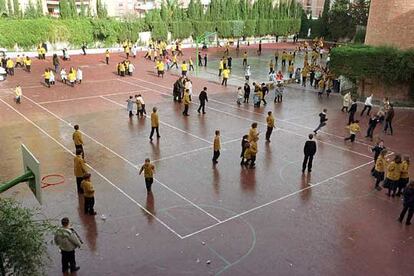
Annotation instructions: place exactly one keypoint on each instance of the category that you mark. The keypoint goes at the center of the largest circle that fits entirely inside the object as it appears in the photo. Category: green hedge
(27, 33)
(388, 65)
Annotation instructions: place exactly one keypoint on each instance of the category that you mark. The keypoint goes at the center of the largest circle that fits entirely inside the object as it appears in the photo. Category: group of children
(71, 78)
(125, 68)
(9, 64)
(139, 102)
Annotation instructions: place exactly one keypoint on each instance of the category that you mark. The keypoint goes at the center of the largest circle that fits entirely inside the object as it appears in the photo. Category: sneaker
(75, 269)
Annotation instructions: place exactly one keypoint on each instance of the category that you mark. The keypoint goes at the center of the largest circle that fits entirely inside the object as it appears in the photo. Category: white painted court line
(253, 121)
(90, 97)
(59, 84)
(93, 169)
(253, 112)
(162, 122)
(193, 151)
(276, 200)
(124, 159)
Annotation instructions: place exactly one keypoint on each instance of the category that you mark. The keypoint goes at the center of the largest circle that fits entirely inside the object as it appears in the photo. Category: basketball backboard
(30, 163)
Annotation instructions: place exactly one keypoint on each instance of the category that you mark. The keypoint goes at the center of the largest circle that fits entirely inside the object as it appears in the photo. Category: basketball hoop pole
(29, 175)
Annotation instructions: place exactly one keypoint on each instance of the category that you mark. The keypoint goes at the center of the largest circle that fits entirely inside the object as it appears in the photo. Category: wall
(391, 22)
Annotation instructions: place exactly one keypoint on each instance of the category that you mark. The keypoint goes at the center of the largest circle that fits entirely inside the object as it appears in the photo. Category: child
(46, 75)
(379, 169)
(131, 68)
(240, 95)
(52, 77)
(216, 147)
(251, 152)
(247, 73)
(18, 92)
(130, 106)
(245, 145)
(322, 120)
(393, 175)
(28, 64)
(18, 61)
(63, 75)
(353, 130)
(148, 170)
(79, 75)
(72, 77)
(377, 149)
(404, 179)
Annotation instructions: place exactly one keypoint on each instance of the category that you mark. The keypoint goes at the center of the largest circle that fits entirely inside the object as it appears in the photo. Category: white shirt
(240, 93)
(79, 74)
(368, 101)
(63, 74)
(141, 100)
(52, 77)
(131, 67)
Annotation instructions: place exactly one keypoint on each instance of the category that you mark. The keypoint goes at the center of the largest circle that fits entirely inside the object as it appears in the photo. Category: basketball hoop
(59, 179)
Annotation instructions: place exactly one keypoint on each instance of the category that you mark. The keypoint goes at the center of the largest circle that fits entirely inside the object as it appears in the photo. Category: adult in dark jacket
(388, 119)
(178, 90)
(352, 110)
(408, 204)
(309, 151)
(203, 99)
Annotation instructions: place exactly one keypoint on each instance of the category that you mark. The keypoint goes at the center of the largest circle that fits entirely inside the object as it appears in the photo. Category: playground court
(271, 220)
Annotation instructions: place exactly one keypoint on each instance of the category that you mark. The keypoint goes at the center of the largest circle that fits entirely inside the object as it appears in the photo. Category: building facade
(313, 7)
(391, 22)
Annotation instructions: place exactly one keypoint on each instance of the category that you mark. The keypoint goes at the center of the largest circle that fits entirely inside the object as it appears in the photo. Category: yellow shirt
(394, 171)
(404, 169)
(42, 50)
(253, 134)
(221, 65)
(10, 64)
(154, 119)
(72, 76)
(28, 61)
(79, 166)
(77, 138)
(107, 54)
(148, 169)
(226, 73)
(380, 164)
(354, 128)
(245, 56)
(183, 67)
(18, 91)
(47, 75)
(174, 59)
(270, 120)
(186, 98)
(216, 144)
(190, 62)
(291, 69)
(18, 60)
(88, 189)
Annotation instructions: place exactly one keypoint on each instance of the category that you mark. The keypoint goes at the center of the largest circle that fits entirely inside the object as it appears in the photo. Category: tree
(39, 8)
(3, 8)
(359, 12)
(324, 19)
(30, 11)
(16, 8)
(82, 9)
(73, 11)
(64, 9)
(10, 8)
(23, 248)
(341, 24)
(101, 11)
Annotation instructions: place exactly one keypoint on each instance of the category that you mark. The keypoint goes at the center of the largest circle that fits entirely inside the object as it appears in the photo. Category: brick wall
(391, 22)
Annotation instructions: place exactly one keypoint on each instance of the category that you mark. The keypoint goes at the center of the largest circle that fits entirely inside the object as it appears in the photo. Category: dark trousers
(307, 161)
(152, 132)
(388, 125)
(370, 131)
(351, 118)
(410, 214)
(216, 155)
(246, 99)
(224, 82)
(344, 108)
(365, 108)
(264, 101)
(78, 184)
(321, 125)
(244, 62)
(185, 112)
(220, 70)
(88, 205)
(68, 260)
(191, 67)
(107, 60)
(304, 81)
(351, 137)
(81, 149)
(201, 107)
(268, 133)
(148, 183)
